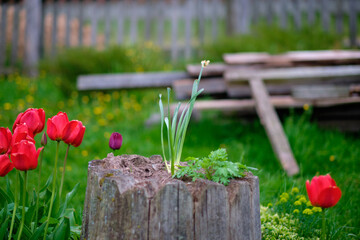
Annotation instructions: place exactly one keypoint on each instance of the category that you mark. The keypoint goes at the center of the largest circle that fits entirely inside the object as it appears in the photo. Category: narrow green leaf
(4, 228)
(62, 232)
(36, 235)
(8, 189)
(69, 196)
(5, 196)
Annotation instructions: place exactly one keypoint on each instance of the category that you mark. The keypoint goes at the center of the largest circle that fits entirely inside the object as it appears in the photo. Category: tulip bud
(115, 141)
(43, 140)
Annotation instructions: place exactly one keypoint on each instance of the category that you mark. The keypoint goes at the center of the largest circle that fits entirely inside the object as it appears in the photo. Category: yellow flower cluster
(308, 211)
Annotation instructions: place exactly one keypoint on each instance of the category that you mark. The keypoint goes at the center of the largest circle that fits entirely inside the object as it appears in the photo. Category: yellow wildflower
(297, 203)
(29, 99)
(7, 106)
(84, 153)
(68, 168)
(85, 99)
(332, 158)
(308, 203)
(294, 190)
(107, 135)
(306, 107)
(102, 122)
(296, 211)
(308, 211)
(316, 209)
(303, 199)
(98, 110)
(283, 200)
(270, 205)
(284, 195)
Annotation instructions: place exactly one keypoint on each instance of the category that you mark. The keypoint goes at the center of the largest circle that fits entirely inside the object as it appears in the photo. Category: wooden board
(279, 102)
(294, 57)
(273, 127)
(214, 69)
(242, 90)
(246, 58)
(211, 86)
(128, 80)
(320, 91)
(293, 74)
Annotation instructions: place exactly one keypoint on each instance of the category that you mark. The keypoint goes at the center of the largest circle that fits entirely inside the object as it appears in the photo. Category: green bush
(71, 63)
(273, 40)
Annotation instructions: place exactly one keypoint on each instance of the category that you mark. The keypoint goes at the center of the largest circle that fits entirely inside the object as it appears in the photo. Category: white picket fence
(179, 26)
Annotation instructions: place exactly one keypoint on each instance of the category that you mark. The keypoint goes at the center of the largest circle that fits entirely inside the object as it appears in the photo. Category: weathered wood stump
(120, 204)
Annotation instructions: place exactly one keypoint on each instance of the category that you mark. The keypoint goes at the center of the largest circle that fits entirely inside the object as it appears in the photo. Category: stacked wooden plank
(220, 79)
(312, 78)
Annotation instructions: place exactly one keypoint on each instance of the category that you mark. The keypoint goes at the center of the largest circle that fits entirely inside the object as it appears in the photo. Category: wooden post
(4, 8)
(353, 23)
(273, 127)
(33, 28)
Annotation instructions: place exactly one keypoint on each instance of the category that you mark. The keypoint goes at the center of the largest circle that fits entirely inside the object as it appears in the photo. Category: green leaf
(4, 228)
(5, 196)
(62, 232)
(69, 197)
(8, 189)
(51, 220)
(38, 232)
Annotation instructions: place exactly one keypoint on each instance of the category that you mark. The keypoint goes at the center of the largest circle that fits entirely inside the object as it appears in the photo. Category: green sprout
(176, 129)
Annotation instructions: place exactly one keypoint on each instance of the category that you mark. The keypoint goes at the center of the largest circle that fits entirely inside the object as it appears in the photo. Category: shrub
(71, 63)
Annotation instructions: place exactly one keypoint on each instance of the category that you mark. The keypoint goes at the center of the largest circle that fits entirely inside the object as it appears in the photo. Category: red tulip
(323, 192)
(56, 125)
(24, 155)
(5, 165)
(115, 141)
(21, 133)
(74, 133)
(5, 140)
(34, 118)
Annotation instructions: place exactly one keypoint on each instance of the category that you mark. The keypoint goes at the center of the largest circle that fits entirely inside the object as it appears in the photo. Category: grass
(317, 151)
(125, 112)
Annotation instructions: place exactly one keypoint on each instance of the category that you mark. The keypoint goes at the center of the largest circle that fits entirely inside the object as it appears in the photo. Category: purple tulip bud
(43, 140)
(115, 141)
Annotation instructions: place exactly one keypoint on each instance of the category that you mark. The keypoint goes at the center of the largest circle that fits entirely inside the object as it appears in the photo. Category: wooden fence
(179, 26)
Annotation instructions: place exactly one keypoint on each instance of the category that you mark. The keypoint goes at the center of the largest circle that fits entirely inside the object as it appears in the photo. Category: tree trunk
(120, 206)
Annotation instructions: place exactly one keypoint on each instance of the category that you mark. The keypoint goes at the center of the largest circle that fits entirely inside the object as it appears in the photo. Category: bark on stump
(120, 206)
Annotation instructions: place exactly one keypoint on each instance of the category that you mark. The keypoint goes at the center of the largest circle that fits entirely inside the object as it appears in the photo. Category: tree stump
(133, 197)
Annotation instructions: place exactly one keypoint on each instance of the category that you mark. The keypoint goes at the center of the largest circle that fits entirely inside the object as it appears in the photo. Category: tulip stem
(23, 206)
(63, 172)
(323, 230)
(15, 205)
(53, 190)
(38, 187)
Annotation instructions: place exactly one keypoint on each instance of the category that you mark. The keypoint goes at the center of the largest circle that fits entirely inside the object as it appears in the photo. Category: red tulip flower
(73, 133)
(5, 165)
(5, 140)
(56, 125)
(34, 118)
(115, 141)
(21, 133)
(24, 155)
(323, 192)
